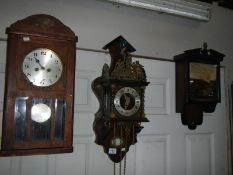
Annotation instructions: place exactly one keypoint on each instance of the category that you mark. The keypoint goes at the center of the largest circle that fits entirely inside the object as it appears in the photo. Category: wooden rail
(106, 52)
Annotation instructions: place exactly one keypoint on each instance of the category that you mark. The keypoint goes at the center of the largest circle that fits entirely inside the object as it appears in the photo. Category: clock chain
(122, 139)
(114, 135)
(120, 168)
(127, 132)
(133, 125)
(125, 165)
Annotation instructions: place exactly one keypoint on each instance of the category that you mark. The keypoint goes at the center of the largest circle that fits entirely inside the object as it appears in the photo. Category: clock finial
(204, 49)
(205, 45)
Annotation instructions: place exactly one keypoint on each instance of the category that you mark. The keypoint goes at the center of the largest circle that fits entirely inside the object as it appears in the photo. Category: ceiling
(224, 3)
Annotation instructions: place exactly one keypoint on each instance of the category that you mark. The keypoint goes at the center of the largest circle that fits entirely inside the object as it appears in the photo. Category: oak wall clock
(39, 87)
(120, 91)
(197, 84)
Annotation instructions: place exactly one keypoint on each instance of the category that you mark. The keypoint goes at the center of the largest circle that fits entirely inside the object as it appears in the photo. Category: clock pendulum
(120, 91)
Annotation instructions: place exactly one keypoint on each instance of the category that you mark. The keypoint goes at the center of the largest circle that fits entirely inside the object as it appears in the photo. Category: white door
(165, 146)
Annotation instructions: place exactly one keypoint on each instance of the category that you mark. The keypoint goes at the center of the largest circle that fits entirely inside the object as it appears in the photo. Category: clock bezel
(35, 43)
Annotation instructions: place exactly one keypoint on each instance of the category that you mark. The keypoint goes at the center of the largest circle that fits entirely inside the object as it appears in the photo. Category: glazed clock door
(203, 80)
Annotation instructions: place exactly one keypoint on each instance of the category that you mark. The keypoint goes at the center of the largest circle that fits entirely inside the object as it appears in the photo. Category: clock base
(27, 152)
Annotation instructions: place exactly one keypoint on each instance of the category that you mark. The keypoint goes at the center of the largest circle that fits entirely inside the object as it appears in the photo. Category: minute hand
(38, 62)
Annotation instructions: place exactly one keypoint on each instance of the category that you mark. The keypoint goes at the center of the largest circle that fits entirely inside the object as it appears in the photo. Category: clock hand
(36, 69)
(38, 62)
(127, 100)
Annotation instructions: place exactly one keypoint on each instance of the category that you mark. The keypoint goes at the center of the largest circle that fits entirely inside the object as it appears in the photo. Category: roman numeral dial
(127, 101)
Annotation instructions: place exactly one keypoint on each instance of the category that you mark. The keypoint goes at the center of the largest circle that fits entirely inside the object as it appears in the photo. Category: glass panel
(41, 118)
(60, 107)
(202, 80)
(20, 124)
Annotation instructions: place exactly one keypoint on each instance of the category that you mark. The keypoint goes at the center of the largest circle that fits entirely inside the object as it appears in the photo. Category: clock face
(202, 79)
(127, 101)
(42, 67)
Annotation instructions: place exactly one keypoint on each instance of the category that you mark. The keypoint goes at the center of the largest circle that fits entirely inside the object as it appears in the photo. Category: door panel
(165, 146)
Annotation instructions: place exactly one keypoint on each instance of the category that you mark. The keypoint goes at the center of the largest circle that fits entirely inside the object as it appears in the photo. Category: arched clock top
(42, 25)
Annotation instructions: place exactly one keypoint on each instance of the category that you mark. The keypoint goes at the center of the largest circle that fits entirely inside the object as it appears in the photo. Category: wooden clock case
(192, 101)
(110, 125)
(33, 32)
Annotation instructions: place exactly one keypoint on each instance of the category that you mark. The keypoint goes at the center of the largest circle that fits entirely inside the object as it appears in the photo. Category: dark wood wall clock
(197, 84)
(120, 91)
(39, 87)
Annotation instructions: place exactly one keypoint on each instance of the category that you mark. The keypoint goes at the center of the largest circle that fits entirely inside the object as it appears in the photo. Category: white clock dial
(42, 67)
(127, 101)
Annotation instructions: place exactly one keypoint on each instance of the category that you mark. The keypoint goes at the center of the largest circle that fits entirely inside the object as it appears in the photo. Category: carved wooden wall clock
(39, 87)
(120, 91)
(197, 84)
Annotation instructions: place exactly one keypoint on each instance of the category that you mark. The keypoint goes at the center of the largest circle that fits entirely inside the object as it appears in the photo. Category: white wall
(96, 23)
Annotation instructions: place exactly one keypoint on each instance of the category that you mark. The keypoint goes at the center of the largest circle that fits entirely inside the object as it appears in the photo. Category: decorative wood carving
(120, 92)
